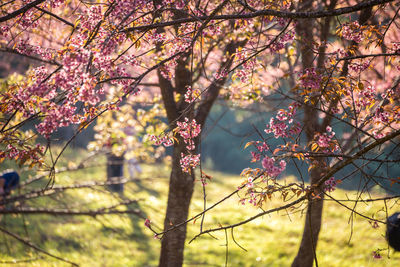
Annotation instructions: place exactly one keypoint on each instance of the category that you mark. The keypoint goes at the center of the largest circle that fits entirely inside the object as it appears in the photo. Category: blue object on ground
(11, 181)
(393, 231)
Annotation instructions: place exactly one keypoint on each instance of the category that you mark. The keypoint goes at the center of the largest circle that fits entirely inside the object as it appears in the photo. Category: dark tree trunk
(181, 184)
(307, 251)
(180, 193)
(115, 170)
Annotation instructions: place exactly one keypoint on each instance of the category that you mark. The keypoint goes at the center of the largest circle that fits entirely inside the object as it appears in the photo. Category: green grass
(123, 240)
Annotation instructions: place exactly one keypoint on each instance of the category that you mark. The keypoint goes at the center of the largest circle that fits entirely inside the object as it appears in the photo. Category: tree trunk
(115, 170)
(307, 251)
(180, 193)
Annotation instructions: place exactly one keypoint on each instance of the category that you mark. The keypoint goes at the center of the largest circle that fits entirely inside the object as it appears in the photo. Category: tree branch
(21, 10)
(267, 12)
(67, 212)
(29, 244)
(337, 167)
(251, 218)
(55, 16)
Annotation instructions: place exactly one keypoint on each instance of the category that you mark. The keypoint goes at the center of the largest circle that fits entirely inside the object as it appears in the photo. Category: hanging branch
(266, 12)
(21, 10)
(29, 244)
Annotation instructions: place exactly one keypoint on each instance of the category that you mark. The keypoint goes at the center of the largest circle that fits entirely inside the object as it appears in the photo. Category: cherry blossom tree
(337, 65)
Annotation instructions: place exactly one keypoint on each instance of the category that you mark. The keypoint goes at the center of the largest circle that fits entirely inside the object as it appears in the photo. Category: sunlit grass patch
(123, 240)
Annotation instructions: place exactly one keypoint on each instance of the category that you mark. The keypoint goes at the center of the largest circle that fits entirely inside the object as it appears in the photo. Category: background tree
(198, 51)
(332, 89)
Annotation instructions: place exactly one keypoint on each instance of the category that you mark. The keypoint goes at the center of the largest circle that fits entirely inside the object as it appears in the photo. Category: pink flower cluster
(56, 3)
(325, 142)
(191, 94)
(396, 47)
(164, 140)
(282, 41)
(188, 131)
(158, 37)
(376, 255)
(57, 116)
(381, 116)
(91, 17)
(25, 48)
(29, 19)
(251, 198)
(189, 162)
(251, 195)
(86, 92)
(4, 30)
(261, 147)
(365, 98)
(84, 59)
(282, 124)
(220, 74)
(359, 67)
(271, 169)
(147, 223)
(277, 127)
(243, 75)
(384, 115)
(23, 153)
(123, 8)
(255, 156)
(212, 30)
(330, 185)
(74, 80)
(178, 4)
(352, 31)
(250, 183)
(310, 79)
(247, 66)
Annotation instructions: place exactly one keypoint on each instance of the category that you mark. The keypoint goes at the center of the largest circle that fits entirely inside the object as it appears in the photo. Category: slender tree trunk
(180, 193)
(115, 168)
(307, 251)
(181, 184)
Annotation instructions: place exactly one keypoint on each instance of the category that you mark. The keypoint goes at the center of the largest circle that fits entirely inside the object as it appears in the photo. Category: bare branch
(29, 244)
(21, 10)
(267, 12)
(291, 204)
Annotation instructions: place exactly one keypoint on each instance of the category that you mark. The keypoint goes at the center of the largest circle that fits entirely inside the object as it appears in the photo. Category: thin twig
(29, 244)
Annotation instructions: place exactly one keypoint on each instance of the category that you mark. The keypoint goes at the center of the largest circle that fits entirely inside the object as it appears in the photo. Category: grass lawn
(123, 240)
